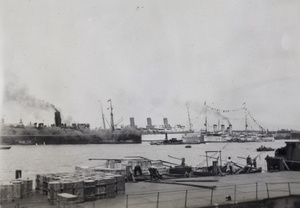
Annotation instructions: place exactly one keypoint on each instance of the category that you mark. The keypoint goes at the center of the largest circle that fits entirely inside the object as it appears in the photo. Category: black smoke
(23, 98)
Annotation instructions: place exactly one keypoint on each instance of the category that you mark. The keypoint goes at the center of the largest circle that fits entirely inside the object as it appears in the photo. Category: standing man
(230, 165)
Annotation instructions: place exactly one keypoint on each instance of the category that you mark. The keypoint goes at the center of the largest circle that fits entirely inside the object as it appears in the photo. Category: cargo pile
(15, 189)
(85, 184)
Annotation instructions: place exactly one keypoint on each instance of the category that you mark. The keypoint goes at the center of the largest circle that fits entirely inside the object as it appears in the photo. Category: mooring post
(185, 198)
(289, 189)
(157, 202)
(127, 201)
(211, 196)
(267, 190)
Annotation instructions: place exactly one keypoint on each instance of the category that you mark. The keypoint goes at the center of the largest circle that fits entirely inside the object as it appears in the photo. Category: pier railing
(185, 198)
(205, 197)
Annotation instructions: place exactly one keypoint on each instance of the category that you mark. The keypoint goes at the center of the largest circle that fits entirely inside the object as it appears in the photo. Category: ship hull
(215, 139)
(69, 139)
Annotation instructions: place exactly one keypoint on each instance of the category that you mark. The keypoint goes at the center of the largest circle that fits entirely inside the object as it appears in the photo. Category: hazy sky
(151, 58)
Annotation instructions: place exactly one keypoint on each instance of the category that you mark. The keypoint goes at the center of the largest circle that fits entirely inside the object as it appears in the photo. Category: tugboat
(264, 149)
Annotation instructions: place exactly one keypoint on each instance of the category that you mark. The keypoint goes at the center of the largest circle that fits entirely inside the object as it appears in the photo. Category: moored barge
(286, 158)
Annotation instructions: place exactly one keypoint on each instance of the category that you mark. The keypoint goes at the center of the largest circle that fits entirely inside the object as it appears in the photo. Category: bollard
(289, 189)
(267, 190)
(18, 174)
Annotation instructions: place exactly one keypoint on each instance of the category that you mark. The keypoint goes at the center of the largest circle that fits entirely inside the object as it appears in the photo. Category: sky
(157, 59)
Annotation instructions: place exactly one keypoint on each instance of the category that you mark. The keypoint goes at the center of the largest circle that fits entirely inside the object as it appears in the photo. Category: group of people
(249, 164)
(137, 171)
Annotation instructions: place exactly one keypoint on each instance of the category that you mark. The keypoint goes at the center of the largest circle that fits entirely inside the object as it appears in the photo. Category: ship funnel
(230, 129)
(215, 128)
(57, 118)
(223, 128)
(166, 122)
(132, 124)
(149, 124)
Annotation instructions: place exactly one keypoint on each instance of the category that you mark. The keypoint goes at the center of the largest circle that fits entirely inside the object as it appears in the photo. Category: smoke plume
(222, 117)
(22, 97)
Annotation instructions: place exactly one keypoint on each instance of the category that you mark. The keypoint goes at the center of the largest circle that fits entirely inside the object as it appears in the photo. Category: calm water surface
(39, 159)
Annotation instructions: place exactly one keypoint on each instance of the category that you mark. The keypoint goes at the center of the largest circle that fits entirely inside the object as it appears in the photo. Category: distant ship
(218, 136)
(228, 135)
(60, 133)
(191, 138)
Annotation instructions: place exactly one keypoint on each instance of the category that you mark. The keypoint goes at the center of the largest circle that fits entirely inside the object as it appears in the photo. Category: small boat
(263, 148)
(5, 148)
(156, 142)
(134, 168)
(188, 146)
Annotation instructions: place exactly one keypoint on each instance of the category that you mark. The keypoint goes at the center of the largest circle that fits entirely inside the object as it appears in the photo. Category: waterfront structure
(285, 158)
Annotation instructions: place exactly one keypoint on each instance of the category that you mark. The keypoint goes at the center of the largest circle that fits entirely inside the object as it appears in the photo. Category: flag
(108, 100)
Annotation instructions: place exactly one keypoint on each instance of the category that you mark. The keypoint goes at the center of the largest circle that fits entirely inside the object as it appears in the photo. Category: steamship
(227, 135)
(218, 136)
(60, 133)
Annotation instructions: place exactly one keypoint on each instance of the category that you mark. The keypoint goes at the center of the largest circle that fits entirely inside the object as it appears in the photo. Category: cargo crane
(112, 126)
(103, 118)
(190, 124)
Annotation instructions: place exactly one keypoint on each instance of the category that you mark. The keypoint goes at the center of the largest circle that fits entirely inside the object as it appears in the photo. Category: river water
(39, 159)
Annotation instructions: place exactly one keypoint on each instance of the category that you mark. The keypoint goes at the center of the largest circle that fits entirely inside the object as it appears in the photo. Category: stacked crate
(67, 186)
(6, 192)
(15, 189)
(38, 183)
(54, 188)
(79, 189)
(18, 189)
(66, 200)
(27, 186)
(110, 187)
(120, 184)
(89, 190)
(87, 187)
(100, 187)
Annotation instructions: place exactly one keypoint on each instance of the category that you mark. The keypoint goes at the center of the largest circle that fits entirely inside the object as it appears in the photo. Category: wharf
(241, 188)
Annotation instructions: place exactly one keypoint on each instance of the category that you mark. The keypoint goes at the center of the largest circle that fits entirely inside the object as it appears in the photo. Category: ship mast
(112, 127)
(205, 124)
(246, 124)
(103, 120)
(189, 117)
